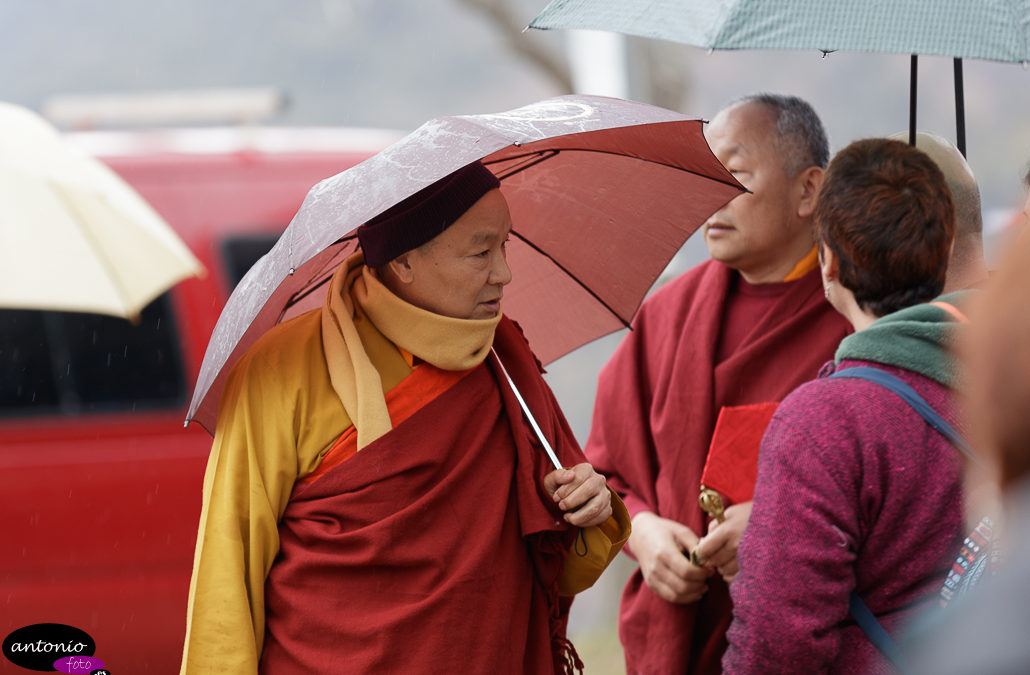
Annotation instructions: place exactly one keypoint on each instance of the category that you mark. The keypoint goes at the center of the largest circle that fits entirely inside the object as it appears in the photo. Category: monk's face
(755, 233)
(462, 272)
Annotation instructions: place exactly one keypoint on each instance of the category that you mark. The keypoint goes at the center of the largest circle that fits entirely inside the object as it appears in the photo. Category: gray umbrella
(995, 30)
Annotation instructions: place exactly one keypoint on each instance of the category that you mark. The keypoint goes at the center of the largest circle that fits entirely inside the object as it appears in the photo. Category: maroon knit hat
(425, 214)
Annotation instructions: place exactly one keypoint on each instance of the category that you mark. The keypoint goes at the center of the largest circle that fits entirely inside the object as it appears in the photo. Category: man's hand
(719, 546)
(661, 547)
(582, 493)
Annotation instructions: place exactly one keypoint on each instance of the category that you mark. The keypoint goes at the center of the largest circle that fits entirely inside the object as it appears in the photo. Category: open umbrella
(995, 30)
(602, 194)
(73, 235)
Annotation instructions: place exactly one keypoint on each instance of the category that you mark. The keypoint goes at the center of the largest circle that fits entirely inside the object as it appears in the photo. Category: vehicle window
(240, 254)
(76, 363)
(79, 363)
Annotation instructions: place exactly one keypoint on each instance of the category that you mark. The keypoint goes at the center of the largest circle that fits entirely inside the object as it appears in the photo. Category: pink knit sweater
(855, 492)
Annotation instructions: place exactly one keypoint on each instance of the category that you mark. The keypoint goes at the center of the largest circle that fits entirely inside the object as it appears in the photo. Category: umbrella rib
(543, 155)
(131, 313)
(530, 159)
(551, 153)
(573, 277)
(325, 275)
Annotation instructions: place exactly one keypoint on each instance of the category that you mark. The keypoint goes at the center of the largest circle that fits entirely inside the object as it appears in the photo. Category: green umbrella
(994, 30)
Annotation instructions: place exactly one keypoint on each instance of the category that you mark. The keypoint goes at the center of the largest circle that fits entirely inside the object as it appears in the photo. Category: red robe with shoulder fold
(657, 403)
(435, 549)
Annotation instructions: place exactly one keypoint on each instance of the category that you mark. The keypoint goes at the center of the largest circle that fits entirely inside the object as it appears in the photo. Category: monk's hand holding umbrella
(581, 493)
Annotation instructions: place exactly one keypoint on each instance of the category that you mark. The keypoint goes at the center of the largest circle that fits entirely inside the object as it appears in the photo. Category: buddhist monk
(745, 327)
(375, 499)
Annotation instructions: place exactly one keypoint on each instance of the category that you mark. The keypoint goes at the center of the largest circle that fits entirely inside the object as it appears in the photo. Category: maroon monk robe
(434, 549)
(658, 400)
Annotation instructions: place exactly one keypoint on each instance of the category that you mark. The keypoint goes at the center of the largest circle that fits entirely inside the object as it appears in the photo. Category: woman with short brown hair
(855, 492)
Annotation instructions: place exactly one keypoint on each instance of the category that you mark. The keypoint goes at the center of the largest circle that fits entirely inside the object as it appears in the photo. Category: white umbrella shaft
(529, 415)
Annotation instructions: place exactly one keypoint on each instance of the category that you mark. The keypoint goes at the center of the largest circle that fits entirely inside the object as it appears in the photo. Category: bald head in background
(966, 267)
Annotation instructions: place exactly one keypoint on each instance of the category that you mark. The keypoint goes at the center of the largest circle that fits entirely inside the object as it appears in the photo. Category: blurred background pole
(960, 110)
(597, 60)
(913, 78)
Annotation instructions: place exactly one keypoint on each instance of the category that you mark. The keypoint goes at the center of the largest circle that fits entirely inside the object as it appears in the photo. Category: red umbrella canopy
(602, 194)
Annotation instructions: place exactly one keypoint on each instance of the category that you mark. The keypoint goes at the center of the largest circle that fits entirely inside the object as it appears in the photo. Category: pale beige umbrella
(74, 236)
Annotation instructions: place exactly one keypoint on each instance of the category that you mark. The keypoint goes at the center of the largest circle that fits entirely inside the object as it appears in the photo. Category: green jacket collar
(916, 338)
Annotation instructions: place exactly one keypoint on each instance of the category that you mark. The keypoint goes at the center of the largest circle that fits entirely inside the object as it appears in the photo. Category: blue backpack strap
(860, 611)
(874, 630)
(910, 396)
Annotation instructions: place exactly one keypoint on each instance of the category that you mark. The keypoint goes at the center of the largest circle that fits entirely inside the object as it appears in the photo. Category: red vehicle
(101, 484)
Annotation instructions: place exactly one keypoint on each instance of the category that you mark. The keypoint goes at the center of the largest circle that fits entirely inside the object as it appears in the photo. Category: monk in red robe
(746, 327)
(375, 500)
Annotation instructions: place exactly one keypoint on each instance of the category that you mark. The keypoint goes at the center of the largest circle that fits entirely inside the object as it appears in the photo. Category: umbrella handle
(529, 415)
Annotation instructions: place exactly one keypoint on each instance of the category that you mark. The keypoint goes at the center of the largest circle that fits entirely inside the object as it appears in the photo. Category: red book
(732, 464)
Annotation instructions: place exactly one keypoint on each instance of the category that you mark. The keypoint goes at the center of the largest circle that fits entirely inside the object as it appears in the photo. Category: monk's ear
(807, 185)
(400, 268)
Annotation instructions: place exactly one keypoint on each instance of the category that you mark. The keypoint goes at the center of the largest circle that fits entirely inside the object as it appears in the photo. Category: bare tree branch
(502, 16)
(658, 70)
